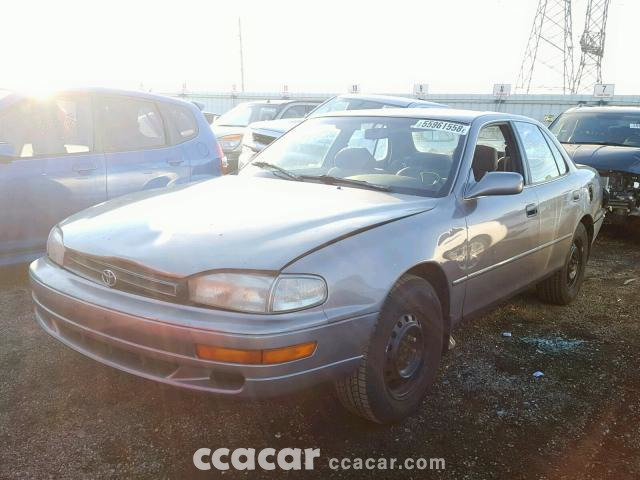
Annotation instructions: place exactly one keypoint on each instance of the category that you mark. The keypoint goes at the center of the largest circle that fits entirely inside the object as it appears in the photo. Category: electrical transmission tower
(592, 46)
(550, 45)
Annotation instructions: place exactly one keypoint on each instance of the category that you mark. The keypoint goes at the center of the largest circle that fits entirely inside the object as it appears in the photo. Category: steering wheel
(632, 140)
(428, 178)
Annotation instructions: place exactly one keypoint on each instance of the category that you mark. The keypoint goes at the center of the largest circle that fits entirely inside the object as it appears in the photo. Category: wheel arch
(434, 274)
(587, 221)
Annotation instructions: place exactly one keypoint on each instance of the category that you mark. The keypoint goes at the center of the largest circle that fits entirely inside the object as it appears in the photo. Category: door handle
(532, 210)
(84, 169)
(174, 163)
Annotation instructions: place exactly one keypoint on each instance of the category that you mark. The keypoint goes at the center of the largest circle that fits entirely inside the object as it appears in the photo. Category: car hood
(222, 130)
(605, 157)
(231, 222)
(277, 127)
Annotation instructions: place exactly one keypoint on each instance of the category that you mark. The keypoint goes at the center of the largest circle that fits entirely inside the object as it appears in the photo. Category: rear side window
(560, 162)
(131, 124)
(48, 128)
(542, 164)
(181, 124)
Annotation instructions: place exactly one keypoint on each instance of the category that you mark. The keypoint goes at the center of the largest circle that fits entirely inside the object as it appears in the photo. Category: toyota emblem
(109, 278)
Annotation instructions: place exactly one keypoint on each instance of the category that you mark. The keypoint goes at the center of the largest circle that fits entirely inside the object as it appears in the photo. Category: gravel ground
(65, 416)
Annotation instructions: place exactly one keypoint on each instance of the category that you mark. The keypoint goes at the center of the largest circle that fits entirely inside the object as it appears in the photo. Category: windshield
(338, 104)
(247, 113)
(406, 155)
(598, 128)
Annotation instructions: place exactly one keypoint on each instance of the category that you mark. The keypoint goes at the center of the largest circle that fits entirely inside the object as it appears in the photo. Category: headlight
(55, 246)
(258, 293)
(230, 142)
(297, 292)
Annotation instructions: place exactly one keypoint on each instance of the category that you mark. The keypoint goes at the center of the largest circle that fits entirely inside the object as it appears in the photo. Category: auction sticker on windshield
(452, 127)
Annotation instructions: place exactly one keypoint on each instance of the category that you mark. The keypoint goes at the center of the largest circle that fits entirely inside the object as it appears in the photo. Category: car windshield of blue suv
(619, 129)
(402, 155)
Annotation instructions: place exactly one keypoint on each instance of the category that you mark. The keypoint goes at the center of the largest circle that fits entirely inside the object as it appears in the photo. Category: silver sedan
(356, 243)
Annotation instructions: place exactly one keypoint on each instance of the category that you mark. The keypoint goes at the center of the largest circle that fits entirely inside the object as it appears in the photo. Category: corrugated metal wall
(540, 107)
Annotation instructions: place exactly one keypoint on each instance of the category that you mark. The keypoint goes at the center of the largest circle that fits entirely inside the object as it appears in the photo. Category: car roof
(280, 101)
(607, 109)
(109, 91)
(388, 99)
(446, 114)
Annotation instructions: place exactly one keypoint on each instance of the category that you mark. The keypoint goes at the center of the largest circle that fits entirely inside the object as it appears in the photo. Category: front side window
(598, 128)
(542, 164)
(131, 124)
(295, 111)
(405, 155)
(48, 127)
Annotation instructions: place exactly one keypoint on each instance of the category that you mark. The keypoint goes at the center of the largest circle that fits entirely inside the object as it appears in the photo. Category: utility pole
(241, 55)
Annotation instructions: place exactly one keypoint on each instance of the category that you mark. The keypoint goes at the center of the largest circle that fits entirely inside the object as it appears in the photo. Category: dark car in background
(73, 149)
(607, 139)
(260, 134)
(230, 126)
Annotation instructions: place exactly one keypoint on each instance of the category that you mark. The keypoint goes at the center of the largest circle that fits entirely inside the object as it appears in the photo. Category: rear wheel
(402, 357)
(564, 285)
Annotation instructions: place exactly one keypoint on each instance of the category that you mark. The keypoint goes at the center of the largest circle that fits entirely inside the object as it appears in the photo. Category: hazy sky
(456, 46)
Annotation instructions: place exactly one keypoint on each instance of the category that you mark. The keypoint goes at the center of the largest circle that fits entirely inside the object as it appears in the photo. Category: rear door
(193, 140)
(557, 198)
(138, 151)
(57, 170)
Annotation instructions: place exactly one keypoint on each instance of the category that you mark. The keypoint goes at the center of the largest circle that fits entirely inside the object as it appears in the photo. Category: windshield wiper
(276, 168)
(330, 180)
(606, 144)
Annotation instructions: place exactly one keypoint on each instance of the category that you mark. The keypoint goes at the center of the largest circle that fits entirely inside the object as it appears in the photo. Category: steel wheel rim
(574, 265)
(404, 356)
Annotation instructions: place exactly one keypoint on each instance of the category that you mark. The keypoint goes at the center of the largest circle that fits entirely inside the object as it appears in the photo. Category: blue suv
(78, 148)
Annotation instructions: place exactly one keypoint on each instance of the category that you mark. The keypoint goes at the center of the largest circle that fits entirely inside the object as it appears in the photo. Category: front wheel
(402, 357)
(564, 285)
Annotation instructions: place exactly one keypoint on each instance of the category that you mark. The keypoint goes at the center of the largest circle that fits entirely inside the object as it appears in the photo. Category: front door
(56, 171)
(502, 230)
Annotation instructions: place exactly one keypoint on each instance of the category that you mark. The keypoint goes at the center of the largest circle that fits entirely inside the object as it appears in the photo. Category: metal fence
(541, 107)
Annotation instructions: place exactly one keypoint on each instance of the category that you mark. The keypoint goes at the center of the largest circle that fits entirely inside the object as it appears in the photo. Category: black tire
(409, 334)
(563, 286)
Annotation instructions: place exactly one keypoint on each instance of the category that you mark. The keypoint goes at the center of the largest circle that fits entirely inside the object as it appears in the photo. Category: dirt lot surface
(65, 416)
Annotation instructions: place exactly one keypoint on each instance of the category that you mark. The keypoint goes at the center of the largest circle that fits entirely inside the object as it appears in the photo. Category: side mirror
(7, 153)
(497, 183)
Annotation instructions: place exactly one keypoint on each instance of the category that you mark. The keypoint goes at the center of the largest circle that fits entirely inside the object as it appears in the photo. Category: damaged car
(607, 139)
(358, 242)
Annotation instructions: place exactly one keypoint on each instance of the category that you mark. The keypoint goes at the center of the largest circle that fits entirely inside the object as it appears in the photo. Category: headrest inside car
(355, 158)
(485, 159)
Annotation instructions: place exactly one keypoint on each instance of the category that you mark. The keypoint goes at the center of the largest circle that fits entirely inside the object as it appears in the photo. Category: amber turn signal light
(256, 357)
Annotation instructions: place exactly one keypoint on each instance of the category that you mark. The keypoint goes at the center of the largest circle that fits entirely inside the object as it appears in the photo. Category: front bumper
(156, 340)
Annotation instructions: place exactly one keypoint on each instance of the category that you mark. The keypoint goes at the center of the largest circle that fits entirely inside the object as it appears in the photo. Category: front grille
(263, 139)
(112, 353)
(128, 277)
